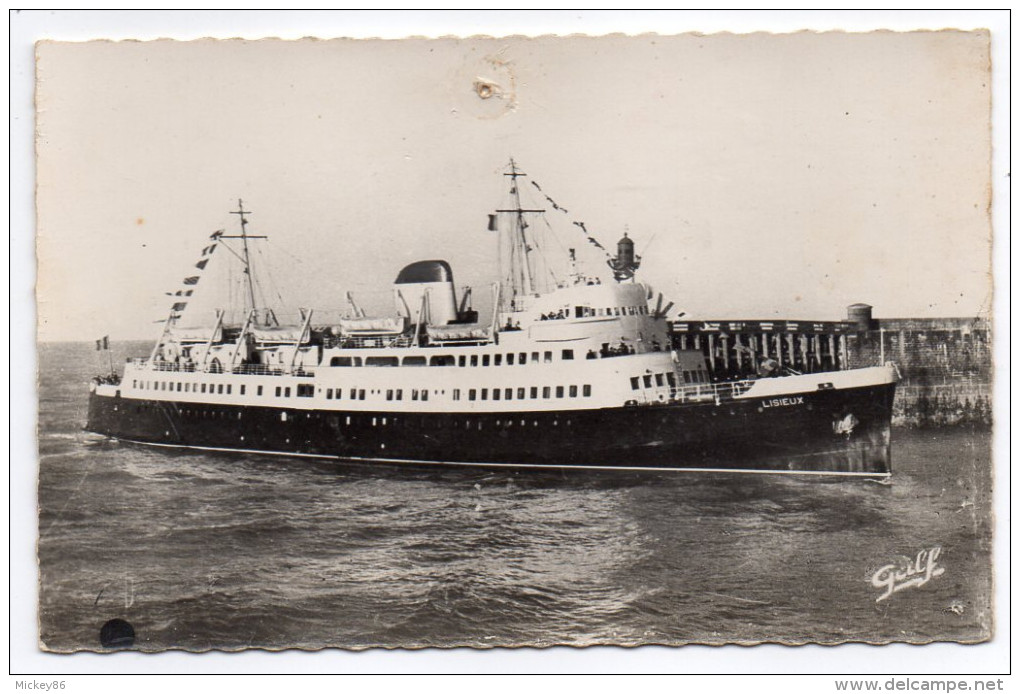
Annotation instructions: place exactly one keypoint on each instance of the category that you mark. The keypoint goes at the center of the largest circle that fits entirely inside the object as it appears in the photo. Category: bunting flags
(592, 240)
(103, 343)
(179, 306)
(492, 223)
(549, 200)
(554, 205)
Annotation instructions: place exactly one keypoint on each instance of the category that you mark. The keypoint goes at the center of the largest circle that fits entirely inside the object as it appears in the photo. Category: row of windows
(588, 312)
(186, 387)
(209, 414)
(197, 412)
(695, 376)
(475, 424)
(413, 423)
(391, 394)
(307, 390)
(523, 393)
(472, 394)
(659, 380)
(304, 390)
(648, 380)
(509, 359)
(406, 422)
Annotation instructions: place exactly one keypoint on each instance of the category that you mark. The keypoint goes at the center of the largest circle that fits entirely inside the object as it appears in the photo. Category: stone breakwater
(945, 364)
(959, 404)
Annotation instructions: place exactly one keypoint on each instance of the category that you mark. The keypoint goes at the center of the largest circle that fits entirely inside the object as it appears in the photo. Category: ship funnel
(431, 277)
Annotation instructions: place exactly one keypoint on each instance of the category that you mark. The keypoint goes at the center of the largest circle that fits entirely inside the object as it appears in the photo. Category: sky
(760, 175)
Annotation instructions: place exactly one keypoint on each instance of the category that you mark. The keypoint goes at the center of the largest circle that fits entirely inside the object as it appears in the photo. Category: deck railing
(240, 369)
(726, 390)
(257, 370)
(365, 341)
(701, 392)
(162, 365)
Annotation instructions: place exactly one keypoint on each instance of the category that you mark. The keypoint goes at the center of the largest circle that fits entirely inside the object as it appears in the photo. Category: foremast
(251, 309)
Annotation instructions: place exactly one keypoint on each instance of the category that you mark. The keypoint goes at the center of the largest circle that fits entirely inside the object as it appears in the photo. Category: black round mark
(117, 633)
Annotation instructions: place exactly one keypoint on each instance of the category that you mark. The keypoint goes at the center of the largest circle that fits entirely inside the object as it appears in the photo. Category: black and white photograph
(527, 341)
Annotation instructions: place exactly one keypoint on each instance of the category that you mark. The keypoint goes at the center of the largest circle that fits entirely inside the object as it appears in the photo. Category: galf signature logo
(893, 578)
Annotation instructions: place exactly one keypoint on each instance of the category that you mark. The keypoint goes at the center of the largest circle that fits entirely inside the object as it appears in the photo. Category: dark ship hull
(798, 433)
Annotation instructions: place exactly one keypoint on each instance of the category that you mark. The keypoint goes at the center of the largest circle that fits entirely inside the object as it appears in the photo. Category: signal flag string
(191, 281)
(580, 225)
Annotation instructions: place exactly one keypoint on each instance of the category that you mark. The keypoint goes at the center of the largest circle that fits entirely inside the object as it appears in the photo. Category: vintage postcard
(496, 342)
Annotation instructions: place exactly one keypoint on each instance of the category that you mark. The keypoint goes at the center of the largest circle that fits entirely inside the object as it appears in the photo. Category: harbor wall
(945, 364)
(945, 368)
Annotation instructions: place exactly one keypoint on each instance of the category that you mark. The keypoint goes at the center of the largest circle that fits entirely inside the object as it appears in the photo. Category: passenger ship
(572, 370)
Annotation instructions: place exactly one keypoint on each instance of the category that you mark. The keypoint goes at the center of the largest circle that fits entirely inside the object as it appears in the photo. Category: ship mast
(251, 306)
(241, 212)
(522, 274)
